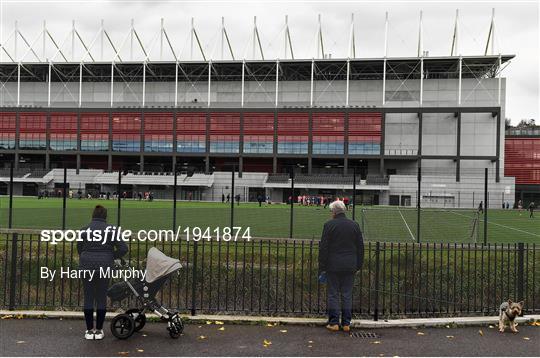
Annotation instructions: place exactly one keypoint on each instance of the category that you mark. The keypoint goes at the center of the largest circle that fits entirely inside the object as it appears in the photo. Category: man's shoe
(347, 328)
(89, 335)
(99, 334)
(332, 327)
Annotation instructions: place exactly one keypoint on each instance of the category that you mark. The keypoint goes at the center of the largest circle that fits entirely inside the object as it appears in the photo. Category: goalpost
(438, 224)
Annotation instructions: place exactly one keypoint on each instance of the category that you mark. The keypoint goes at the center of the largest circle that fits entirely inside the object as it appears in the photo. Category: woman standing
(94, 255)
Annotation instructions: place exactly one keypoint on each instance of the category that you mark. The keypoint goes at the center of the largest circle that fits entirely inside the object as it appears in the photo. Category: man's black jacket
(342, 247)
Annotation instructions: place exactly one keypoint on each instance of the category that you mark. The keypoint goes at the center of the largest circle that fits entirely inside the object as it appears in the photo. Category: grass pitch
(379, 223)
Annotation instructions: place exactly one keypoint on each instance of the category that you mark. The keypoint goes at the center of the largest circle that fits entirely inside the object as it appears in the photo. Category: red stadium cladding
(522, 159)
(33, 130)
(94, 131)
(8, 129)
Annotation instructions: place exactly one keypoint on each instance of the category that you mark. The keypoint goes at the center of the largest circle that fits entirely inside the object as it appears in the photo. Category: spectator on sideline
(481, 207)
(95, 255)
(341, 254)
(531, 209)
(222, 198)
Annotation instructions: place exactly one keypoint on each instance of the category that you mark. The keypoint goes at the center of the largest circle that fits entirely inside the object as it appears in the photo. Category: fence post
(64, 186)
(377, 269)
(175, 186)
(232, 197)
(10, 219)
(13, 276)
(291, 224)
(486, 204)
(194, 278)
(119, 195)
(520, 272)
(354, 195)
(418, 198)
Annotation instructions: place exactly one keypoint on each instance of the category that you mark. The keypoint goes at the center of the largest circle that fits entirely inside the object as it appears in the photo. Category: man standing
(341, 254)
(531, 209)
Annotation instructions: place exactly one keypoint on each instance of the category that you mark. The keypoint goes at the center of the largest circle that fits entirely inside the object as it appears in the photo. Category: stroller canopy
(158, 265)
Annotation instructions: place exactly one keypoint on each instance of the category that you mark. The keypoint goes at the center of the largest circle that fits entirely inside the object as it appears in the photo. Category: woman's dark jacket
(95, 254)
(342, 247)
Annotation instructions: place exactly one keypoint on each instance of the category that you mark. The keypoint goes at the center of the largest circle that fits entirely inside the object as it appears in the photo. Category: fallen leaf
(123, 353)
(491, 326)
(20, 316)
(310, 346)
(140, 350)
(310, 341)
(199, 327)
(221, 329)
(7, 316)
(20, 342)
(480, 332)
(421, 333)
(144, 335)
(447, 326)
(202, 337)
(219, 322)
(450, 337)
(208, 322)
(266, 342)
(283, 330)
(526, 338)
(375, 342)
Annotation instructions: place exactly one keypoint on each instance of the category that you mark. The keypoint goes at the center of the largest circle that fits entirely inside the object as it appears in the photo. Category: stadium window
(33, 128)
(224, 144)
(63, 131)
(94, 131)
(191, 143)
(126, 129)
(8, 127)
(258, 144)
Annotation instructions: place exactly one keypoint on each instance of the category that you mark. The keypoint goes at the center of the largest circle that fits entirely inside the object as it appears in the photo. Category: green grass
(379, 223)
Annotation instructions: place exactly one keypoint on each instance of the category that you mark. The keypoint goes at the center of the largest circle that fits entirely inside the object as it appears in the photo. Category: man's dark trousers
(340, 286)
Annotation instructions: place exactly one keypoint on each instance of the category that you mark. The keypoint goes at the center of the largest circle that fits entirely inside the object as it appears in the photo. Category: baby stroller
(158, 268)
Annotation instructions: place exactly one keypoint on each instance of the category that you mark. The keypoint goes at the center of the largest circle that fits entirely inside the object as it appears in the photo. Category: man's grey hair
(337, 207)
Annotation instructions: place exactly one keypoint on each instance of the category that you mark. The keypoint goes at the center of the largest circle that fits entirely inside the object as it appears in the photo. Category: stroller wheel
(176, 327)
(138, 317)
(122, 326)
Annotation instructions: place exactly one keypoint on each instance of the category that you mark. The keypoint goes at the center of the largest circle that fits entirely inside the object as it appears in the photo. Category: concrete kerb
(230, 319)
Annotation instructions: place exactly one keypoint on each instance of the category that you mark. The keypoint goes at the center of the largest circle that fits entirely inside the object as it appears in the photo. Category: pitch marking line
(501, 225)
(407, 225)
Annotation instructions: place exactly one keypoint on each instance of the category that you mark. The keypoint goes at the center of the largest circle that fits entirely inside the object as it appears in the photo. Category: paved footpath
(53, 337)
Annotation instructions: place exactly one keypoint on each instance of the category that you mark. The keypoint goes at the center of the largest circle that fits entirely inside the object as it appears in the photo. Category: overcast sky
(516, 25)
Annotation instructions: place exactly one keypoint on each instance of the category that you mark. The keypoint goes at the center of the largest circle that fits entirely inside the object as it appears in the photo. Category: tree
(526, 123)
(507, 123)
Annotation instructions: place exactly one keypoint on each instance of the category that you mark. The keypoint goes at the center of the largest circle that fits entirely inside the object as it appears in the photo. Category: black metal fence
(280, 277)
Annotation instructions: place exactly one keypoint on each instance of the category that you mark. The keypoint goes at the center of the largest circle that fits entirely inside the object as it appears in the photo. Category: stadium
(375, 124)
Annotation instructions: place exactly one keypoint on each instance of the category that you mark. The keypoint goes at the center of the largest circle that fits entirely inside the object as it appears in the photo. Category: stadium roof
(397, 68)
